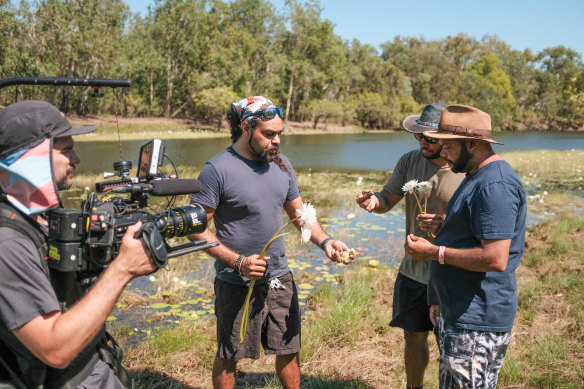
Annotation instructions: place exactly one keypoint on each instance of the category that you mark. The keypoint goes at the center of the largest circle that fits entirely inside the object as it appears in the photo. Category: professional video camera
(88, 240)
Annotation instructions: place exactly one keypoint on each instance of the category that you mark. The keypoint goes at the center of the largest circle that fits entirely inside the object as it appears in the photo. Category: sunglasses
(265, 114)
(419, 137)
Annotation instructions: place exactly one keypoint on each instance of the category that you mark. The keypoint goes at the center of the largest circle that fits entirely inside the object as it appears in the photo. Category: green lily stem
(243, 327)
(418, 201)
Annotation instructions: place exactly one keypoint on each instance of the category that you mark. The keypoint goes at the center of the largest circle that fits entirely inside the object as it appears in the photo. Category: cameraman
(45, 342)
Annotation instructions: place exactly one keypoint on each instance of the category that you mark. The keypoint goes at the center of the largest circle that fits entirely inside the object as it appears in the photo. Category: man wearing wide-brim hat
(475, 252)
(411, 311)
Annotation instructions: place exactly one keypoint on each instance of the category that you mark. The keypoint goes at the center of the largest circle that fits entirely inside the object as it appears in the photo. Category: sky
(533, 24)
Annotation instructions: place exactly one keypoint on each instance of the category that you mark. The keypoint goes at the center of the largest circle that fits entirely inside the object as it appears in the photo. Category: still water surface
(376, 237)
(327, 151)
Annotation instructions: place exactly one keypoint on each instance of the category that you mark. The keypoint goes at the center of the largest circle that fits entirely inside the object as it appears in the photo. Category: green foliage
(213, 103)
(184, 48)
(486, 86)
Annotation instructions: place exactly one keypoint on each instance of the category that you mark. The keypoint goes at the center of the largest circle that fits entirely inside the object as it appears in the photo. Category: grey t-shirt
(414, 166)
(248, 197)
(26, 293)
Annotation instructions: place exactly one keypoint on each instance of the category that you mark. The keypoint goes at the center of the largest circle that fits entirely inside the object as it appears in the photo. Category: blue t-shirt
(248, 197)
(489, 204)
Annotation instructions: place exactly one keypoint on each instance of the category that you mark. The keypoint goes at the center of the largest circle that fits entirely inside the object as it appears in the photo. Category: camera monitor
(151, 156)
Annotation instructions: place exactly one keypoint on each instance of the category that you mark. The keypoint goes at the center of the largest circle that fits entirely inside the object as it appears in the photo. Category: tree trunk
(151, 93)
(315, 121)
(290, 88)
(169, 85)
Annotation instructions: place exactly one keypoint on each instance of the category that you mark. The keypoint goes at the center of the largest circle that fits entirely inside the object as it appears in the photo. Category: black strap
(16, 381)
(111, 353)
(107, 348)
(11, 217)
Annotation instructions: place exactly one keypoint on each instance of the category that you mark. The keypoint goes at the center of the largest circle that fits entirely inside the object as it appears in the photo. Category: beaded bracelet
(238, 262)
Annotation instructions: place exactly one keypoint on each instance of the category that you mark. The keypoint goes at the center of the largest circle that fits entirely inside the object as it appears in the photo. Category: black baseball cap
(26, 124)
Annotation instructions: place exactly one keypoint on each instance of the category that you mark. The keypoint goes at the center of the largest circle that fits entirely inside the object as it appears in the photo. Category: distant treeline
(191, 58)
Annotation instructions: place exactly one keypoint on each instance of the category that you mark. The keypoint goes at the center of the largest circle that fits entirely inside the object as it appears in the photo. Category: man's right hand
(429, 222)
(253, 267)
(367, 200)
(134, 258)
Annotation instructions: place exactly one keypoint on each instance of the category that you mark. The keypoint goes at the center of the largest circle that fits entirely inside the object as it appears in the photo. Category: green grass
(347, 342)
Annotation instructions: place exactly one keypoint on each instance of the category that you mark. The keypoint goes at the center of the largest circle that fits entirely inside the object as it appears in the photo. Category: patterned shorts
(471, 359)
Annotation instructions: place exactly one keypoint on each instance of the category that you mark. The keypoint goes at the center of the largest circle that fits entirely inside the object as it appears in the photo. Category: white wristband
(441, 255)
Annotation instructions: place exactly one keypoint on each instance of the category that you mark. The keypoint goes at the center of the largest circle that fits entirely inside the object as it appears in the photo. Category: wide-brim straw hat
(463, 122)
(428, 120)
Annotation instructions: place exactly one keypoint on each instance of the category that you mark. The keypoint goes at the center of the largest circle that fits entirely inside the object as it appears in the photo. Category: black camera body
(87, 240)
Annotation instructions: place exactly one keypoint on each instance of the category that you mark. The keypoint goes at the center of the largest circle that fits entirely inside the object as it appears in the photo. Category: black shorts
(273, 323)
(410, 305)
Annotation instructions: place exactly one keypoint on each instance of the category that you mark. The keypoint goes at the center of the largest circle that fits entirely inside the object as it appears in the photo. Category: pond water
(332, 151)
(378, 238)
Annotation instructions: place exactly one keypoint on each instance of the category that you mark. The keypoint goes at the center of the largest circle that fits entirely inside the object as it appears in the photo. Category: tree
(212, 104)
(485, 86)
(322, 109)
(77, 38)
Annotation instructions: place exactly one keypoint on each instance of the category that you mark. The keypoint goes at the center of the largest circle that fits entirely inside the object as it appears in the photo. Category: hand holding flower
(430, 222)
(253, 267)
(306, 218)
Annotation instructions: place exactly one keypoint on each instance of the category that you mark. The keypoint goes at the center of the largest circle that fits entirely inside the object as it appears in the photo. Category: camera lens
(182, 221)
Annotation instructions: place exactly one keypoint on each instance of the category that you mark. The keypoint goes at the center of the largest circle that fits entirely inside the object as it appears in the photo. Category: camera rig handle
(161, 251)
(66, 81)
(186, 248)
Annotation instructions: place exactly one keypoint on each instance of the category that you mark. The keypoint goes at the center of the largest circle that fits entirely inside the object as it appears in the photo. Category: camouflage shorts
(471, 359)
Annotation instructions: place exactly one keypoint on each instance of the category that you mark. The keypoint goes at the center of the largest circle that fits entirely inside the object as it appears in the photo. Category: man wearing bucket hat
(45, 341)
(475, 253)
(410, 307)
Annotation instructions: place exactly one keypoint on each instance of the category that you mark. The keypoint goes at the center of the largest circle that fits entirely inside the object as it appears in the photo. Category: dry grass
(347, 343)
(351, 346)
(359, 351)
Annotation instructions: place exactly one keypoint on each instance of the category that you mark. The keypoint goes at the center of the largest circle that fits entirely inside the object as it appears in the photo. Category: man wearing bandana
(244, 189)
(50, 335)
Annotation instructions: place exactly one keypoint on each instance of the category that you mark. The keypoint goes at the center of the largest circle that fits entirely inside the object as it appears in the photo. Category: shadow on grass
(270, 380)
(148, 379)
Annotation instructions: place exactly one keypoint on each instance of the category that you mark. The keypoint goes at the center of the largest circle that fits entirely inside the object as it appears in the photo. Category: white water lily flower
(307, 213)
(305, 233)
(410, 186)
(424, 186)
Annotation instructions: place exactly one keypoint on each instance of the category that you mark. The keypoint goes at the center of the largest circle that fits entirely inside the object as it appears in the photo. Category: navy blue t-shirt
(489, 204)
(248, 197)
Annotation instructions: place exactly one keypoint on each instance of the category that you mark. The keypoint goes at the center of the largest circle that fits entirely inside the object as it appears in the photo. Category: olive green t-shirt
(414, 166)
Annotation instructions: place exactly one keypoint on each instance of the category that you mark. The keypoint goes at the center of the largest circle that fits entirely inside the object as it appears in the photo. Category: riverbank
(346, 340)
(170, 129)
